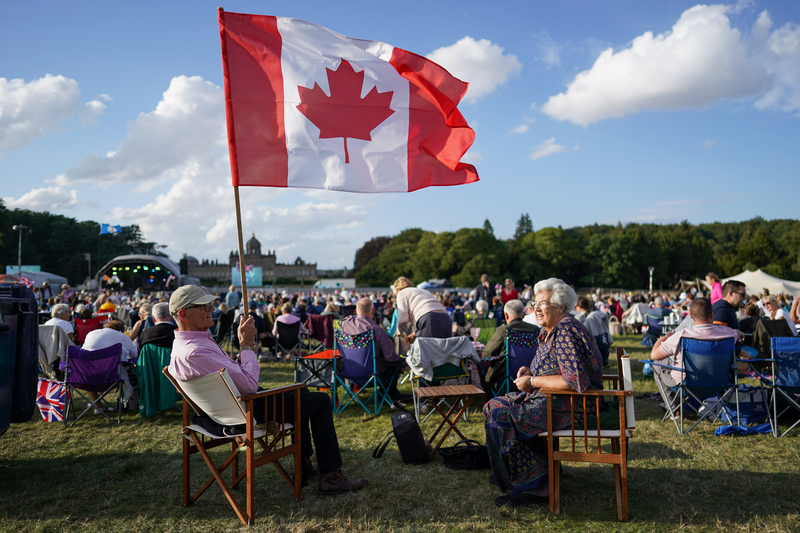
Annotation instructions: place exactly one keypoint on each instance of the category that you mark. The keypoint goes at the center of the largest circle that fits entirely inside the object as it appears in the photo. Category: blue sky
(584, 112)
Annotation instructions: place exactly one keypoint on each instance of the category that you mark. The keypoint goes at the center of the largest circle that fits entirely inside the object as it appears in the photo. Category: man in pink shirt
(195, 354)
(669, 346)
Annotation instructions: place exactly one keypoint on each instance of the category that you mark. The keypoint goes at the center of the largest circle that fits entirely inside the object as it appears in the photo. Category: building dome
(253, 247)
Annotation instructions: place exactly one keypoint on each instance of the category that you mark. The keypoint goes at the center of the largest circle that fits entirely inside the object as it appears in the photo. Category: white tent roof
(759, 280)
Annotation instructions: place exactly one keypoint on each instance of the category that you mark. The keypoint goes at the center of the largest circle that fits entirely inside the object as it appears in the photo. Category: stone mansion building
(206, 270)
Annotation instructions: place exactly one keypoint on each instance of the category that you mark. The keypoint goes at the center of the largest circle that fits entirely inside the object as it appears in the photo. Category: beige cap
(188, 295)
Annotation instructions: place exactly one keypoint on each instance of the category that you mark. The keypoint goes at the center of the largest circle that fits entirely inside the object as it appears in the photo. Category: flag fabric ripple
(50, 398)
(307, 107)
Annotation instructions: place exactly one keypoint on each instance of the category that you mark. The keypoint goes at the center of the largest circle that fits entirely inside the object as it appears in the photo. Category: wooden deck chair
(584, 438)
(216, 395)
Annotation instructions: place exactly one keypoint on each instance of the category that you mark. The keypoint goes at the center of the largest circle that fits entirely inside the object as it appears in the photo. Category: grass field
(95, 477)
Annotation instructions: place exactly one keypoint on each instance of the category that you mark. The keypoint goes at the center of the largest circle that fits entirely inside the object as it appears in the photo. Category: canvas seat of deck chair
(96, 371)
(217, 397)
(355, 371)
(156, 391)
(709, 381)
(582, 441)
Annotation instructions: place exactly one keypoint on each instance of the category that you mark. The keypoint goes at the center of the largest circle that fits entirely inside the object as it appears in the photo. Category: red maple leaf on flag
(344, 113)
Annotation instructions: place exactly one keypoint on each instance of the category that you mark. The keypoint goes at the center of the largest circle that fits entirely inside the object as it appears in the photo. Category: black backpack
(410, 442)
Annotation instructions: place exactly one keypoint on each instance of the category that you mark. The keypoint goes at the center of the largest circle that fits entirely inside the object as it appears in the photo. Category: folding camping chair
(156, 392)
(288, 341)
(520, 348)
(585, 435)
(85, 325)
(356, 354)
(484, 329)
(94, 371)
(437, 361)
(710, 379)
(216, 397)
(655, 328)
(224, 329)
(315, 369)
(320, 329)
(785, 379)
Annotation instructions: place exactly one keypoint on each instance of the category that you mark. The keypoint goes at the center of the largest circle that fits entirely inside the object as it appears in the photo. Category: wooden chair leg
(186, 465)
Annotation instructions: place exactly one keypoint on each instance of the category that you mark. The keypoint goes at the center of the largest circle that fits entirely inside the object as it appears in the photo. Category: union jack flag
(50, 399)
(25, 281)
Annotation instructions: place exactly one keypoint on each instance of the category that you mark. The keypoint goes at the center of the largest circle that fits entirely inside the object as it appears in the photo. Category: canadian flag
(307, 107)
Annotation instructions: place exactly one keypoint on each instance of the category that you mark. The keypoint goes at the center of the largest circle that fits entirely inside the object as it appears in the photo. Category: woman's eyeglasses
(540, 305)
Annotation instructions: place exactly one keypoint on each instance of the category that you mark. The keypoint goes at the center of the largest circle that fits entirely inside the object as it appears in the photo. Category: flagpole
(242, 270)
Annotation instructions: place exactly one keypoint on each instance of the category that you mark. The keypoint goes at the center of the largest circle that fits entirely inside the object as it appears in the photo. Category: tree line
(585, 256)
(58, 243)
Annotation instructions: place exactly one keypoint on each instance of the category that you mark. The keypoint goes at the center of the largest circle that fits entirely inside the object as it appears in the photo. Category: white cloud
(472, 157)
(699, 62)
(44, 199)
(549, 51)
(481, 63)
(524, 127)
(197, 216)
(549, 147)
(185, 128)
(707, 144)
(33, 109)
(782, 58)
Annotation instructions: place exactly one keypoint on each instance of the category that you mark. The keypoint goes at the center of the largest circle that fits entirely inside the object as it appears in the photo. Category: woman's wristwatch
(532, 386)
(243, 348)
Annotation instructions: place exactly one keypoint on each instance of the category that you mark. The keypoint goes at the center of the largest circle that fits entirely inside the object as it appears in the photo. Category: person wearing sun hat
(195, 354)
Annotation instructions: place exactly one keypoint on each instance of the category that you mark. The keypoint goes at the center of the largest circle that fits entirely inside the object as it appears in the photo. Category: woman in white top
(421, 309)
(775, 311)
(60, 314)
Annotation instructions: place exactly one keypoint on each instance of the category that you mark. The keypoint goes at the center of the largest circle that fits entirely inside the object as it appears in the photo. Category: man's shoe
(337, 483)
(521, 499)
(406, 398)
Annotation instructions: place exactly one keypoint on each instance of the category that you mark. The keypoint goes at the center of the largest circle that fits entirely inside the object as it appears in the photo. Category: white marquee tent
(759, 280)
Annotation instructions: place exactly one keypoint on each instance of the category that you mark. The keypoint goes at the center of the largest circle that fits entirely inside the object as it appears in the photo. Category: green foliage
(57, 243)
(596, 255)
(393, 261)
(371, 248)
(488, 226)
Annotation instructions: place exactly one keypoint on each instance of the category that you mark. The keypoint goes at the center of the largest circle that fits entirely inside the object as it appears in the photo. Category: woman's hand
(523, 383)
(524, 371)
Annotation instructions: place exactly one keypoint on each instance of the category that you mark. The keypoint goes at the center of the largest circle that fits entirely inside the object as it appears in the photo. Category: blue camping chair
(520, 348)
(655, 328)
(355, 370)
(709, 381)
(785, 379)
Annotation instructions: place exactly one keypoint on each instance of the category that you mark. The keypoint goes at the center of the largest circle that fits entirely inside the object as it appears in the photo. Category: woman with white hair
(60, 314)
(566, 358)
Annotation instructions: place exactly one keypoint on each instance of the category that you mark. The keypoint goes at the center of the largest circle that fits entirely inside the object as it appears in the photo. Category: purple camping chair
(94, 371)
(355, 371)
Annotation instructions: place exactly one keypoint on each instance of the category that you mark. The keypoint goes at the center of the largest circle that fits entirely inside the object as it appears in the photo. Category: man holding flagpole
(195, 354)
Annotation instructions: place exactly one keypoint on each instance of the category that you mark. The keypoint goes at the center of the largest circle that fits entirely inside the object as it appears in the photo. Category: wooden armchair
(583, 440)
(217, 396)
